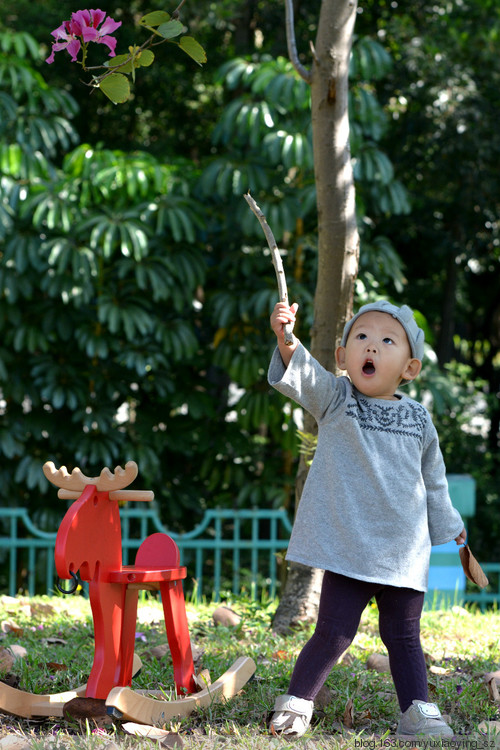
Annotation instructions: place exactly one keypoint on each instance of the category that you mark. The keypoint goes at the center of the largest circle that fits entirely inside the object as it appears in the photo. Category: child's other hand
(461, 538)
(281, 315)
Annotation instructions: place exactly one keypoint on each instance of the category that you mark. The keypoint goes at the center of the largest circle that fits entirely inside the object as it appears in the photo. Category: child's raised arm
(282, 314)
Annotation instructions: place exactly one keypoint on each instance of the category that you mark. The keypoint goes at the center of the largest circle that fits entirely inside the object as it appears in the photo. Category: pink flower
(83, 28)
(67, 41)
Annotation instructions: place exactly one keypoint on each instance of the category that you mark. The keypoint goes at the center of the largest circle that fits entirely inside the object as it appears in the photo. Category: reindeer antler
(78, 481)
(72, 485)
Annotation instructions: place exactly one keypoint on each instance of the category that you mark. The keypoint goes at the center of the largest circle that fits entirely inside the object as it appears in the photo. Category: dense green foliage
(135, 283)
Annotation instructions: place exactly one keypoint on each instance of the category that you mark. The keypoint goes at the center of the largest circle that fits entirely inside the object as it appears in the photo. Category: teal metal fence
(489, 596)
(229, 550)
(234, 550)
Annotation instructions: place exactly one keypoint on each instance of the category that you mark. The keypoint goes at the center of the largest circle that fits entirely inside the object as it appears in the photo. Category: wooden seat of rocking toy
(157, 561)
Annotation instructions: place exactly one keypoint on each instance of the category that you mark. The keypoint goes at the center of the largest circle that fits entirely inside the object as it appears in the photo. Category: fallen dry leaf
(55, 641)
(280, 655)
(364, 716)
(41, 608)
(202, 679)
(471, 567)
(53, 666)
(166, 739)
(439, 670)
(12, 680)
(9, 626)
(348, 718)
(197, 652)
(492, 676)
(82, 709)
(493, 690)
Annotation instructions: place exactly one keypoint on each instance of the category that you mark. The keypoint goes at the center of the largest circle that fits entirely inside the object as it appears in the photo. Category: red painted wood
(89, 541)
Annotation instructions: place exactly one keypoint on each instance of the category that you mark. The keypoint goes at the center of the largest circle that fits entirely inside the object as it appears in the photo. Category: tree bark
(445, 346)
(338, 240)
(338, 244)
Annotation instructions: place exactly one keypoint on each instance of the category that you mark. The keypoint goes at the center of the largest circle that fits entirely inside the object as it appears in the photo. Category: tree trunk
(445, 348)
(338, 244)
(338, 240)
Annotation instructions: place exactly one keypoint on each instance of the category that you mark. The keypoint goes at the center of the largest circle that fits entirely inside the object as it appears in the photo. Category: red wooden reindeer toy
(89, 542)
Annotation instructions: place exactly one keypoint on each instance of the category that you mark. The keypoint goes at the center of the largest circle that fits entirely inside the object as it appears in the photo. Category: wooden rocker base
(130, 705)
(28, 705)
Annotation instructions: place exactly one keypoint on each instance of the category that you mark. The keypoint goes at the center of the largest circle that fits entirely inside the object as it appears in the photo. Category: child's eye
(361, 336)
(388, 340)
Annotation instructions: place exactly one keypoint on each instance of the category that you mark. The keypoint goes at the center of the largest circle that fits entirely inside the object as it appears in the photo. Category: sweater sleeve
(306, 382)
(445, 522)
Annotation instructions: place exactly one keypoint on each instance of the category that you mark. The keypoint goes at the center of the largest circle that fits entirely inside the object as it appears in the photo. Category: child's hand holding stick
(277, 263)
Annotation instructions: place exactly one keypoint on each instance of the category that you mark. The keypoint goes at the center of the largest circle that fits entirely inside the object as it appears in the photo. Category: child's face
(377, 355)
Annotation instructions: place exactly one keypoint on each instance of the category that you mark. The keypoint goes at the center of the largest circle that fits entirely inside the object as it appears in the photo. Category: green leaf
(144, 59)
(127, 63)
(192, 48)
(155, 18)
(122, 61)
(116, 87)
(170, 29)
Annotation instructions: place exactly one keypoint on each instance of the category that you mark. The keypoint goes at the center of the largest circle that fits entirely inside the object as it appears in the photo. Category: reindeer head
(89, 537)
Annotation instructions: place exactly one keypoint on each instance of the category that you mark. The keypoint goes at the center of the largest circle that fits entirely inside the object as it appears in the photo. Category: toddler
(375, 500)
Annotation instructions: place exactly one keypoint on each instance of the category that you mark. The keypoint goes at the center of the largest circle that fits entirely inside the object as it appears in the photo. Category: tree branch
(292, 46)
(277, 263)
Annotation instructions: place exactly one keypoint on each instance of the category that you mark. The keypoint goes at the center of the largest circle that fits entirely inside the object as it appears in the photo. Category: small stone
(323, 698)
(14, 742)
(159, 652)
(378, 662)
(490, 728)
(17, 651)
(226, 617)
(6, 660)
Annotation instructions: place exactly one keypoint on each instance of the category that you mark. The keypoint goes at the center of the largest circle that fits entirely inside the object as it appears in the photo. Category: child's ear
(412, 369)
(340, 357)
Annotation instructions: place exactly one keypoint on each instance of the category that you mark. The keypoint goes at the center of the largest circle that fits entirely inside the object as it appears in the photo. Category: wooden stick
(277, 263)
(123, 495)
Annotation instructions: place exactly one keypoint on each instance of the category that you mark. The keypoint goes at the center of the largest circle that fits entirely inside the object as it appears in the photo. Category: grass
(461, 646)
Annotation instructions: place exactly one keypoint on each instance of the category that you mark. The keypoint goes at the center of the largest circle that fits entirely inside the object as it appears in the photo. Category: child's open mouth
(369, 368)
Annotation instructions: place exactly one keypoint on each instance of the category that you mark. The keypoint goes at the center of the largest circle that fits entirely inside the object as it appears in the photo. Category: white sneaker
(291, 716)
(423, 718)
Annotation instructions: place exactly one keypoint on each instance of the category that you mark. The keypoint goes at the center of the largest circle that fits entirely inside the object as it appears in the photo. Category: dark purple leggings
(341, 605)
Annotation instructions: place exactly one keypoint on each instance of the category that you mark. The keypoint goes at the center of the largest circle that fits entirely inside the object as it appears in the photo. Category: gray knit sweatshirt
(376, 496)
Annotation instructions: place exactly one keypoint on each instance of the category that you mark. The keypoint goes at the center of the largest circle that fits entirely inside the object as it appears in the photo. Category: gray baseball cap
(403, 315)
